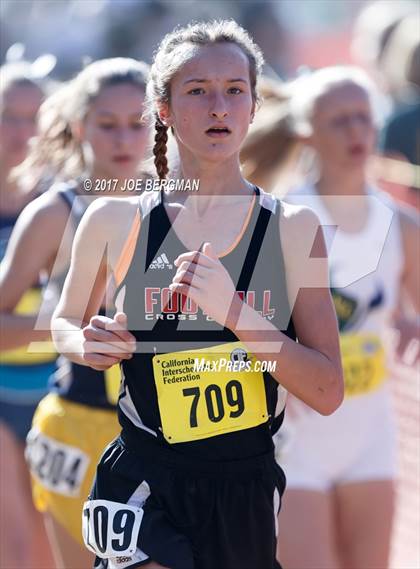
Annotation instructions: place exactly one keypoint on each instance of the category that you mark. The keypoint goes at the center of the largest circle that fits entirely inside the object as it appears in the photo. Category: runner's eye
(341, 121)
(234, 90)
(137, 125)
(364, 118)
(196, 91)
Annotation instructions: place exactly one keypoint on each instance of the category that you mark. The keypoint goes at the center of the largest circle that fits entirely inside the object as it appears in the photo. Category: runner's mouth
(218, 131)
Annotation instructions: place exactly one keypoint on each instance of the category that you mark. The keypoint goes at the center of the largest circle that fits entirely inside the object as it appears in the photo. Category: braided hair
(159, 149)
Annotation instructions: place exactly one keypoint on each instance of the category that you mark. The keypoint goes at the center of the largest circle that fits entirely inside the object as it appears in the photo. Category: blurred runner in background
(23, 376)
(341, 470)
(400, 139)
(91, 129)
(386, 40)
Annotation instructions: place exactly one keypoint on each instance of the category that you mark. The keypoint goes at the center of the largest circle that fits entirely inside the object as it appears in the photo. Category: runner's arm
(410, 278)
(311, 369)
(31, 247)
(77, 330)
(406, 324)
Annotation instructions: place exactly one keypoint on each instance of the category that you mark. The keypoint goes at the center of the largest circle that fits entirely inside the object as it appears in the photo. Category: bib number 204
(215, 401)
(57, 466)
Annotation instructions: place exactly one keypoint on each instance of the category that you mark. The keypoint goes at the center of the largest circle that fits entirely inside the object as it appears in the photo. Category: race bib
(57, 466)
(209, 392)
(363, 359)
(111, 529)
(112, 383)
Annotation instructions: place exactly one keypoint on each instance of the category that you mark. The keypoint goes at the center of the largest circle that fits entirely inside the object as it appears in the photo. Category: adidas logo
(123, 559)
(161, 262)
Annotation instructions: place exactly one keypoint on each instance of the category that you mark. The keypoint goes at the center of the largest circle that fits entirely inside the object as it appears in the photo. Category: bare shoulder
(296, 220)
(48, 209)
(113, 216)
(301, 234)
(106, 226)
(43, 220)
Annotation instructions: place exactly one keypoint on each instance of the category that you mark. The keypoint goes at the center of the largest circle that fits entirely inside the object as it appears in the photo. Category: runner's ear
(164, 114)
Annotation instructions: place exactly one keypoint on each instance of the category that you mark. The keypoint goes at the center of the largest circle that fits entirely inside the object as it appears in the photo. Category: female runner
(23, 378)
(339, 505)
(207, 276)
(102, 139)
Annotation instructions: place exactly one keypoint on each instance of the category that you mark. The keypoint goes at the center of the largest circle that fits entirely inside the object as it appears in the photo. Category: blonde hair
(271, 140)
(306, 91)
(55, 147)
(173, 53)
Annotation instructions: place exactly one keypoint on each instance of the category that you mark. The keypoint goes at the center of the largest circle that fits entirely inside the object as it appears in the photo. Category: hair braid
(159, 149)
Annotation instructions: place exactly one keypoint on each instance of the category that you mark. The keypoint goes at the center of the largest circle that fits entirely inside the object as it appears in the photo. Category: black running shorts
(158, 505)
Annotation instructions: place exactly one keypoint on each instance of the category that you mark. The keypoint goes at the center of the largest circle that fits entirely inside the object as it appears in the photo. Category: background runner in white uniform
(364, 306)
(340, 470)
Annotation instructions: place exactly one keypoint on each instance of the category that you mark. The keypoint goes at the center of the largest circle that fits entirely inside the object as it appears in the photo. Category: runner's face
(211, 103)
(343, 130)
(113, 136)
(18, 111)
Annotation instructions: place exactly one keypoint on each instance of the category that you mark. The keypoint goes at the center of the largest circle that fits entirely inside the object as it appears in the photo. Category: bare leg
(306, 531)
(365, 514)
(23, 541)
(68, 553)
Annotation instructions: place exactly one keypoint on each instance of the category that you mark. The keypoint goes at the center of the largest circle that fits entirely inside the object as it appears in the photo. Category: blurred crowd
(45, 49)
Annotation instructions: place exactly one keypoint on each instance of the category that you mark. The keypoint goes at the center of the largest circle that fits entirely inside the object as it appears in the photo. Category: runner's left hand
(203, 278)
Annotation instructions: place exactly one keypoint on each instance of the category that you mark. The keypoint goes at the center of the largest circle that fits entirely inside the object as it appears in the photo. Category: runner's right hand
(107, 341)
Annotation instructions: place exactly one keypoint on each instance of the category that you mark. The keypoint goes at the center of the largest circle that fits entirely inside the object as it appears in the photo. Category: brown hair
(172, 54)
(50, 149)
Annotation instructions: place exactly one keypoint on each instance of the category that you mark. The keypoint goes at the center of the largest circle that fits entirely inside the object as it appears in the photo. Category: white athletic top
(358, 441)
(365, 266)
